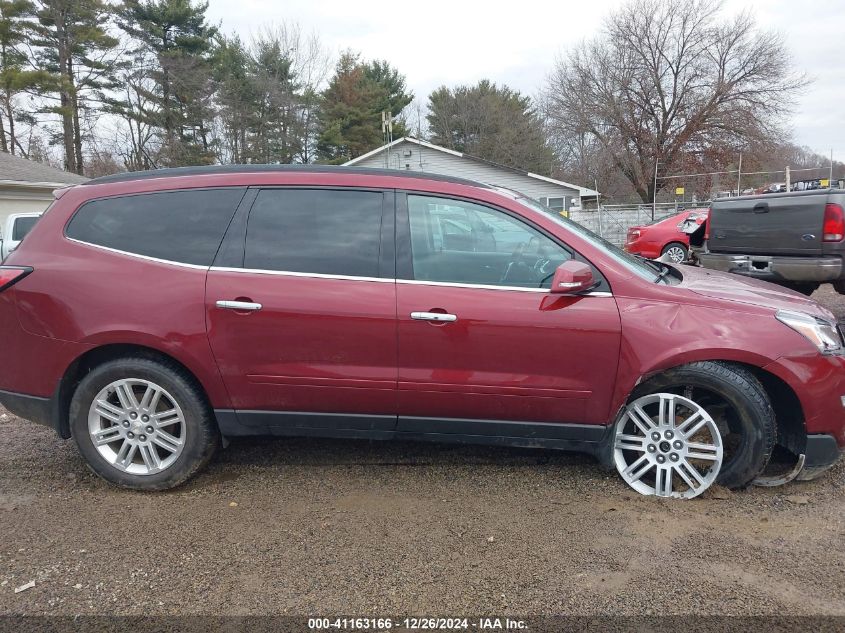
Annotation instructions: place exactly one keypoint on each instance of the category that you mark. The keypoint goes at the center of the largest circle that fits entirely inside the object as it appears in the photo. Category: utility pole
(739, 176)
(386, 135)
(830, 177)
(654, 191)
(788, 179)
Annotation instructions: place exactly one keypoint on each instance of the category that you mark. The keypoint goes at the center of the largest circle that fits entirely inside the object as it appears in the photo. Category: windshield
(647, 269)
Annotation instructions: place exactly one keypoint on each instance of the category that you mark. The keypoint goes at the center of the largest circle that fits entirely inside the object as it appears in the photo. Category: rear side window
(331, 232)
(179, 226)
(22, 227)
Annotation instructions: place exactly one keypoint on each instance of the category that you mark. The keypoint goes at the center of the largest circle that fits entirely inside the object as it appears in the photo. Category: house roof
(17, 171)
(583, 191)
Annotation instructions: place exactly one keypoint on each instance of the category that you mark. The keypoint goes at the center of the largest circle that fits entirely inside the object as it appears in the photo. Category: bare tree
(674, 82)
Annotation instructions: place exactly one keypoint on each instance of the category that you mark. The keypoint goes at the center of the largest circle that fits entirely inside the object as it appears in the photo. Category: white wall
(14, 200)
(437, 162)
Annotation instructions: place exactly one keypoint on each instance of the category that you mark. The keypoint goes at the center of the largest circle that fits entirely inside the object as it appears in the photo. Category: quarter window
(461, 242)
(180, 226)
(320, 231)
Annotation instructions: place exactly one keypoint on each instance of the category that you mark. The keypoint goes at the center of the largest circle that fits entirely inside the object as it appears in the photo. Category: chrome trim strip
(288, 273)
(415, 282)
(451, 284)
(137, 255)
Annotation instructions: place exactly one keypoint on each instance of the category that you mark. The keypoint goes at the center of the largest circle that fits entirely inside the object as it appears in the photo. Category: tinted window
(180, 226)
(22, 227)
(315, 231)
(461, 242)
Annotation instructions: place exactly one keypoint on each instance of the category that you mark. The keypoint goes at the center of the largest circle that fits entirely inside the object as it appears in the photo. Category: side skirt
(584, 438)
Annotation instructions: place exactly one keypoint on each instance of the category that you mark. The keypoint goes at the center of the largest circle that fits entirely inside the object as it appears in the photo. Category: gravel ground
(323, 527)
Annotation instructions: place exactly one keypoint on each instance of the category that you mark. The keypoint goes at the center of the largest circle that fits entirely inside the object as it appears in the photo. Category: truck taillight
(834, 223)
(10, 275)
(707, 225)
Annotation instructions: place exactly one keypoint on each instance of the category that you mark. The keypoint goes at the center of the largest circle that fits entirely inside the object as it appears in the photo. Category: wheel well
(792, 433)
(97, 356)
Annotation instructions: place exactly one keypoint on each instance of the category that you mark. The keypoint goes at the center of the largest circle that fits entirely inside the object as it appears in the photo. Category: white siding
(14, 200)
(437, 162)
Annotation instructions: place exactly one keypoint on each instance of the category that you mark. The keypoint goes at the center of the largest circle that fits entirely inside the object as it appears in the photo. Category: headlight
(819, 332)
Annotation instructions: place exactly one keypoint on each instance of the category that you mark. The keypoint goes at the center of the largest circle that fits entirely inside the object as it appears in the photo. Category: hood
(737, 288)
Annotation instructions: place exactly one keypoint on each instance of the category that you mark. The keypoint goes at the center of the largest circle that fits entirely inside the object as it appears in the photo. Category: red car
(663, 237)
(150, 316)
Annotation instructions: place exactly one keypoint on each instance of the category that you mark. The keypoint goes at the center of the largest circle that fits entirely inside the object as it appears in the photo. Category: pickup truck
(14, 230)
(795, 239)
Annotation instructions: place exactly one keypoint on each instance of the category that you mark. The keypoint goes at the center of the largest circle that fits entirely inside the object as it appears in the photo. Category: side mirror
(572, 277)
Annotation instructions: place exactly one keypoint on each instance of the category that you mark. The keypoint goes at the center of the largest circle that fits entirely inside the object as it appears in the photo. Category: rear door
(785, 224)
(301, 309)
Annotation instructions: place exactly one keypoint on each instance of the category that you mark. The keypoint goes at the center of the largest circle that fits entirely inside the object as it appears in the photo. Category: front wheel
(692, 426)
(142, 424)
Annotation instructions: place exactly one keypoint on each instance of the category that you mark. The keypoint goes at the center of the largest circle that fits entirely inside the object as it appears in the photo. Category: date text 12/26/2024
(417, 624)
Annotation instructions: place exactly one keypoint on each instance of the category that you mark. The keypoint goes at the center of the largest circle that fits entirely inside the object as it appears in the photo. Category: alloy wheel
(667, 445)
(137, 426)
(676, 254)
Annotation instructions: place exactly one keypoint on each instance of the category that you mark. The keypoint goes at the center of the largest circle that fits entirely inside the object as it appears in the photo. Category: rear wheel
(676, 252)
(692, 426)
(142, 424)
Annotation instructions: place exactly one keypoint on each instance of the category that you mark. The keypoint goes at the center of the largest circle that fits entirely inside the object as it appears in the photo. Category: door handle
(441, 317)
(245, 306)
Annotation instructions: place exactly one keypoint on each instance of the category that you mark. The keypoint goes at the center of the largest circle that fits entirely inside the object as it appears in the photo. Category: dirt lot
(331, 527)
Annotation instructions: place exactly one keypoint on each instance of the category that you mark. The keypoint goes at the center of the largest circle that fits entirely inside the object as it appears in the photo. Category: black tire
(202, 437)
(676, 245)
(744, 409)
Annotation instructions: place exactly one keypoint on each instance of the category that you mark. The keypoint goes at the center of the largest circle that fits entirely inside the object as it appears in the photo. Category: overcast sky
(436, 42)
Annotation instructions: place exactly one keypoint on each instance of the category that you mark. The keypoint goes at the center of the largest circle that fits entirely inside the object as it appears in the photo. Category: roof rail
(177, 172)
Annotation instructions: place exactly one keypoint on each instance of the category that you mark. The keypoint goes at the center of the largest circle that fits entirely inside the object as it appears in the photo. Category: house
(27, 186)
(416, 155)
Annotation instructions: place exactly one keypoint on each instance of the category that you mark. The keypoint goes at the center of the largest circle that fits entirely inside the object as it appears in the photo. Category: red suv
(150, 315)
(664, 237)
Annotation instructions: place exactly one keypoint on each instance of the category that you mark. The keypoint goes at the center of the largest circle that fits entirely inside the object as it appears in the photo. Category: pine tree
(492, 122)
(178, 42)
(231, 72)
(351, 106)
(16, 23)
(393, 95)
(77, 53)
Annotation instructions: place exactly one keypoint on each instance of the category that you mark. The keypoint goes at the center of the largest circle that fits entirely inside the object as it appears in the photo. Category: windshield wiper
(663, 272)
(661, 268)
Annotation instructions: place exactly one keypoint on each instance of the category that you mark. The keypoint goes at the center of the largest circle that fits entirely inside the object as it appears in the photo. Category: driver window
(461, 242)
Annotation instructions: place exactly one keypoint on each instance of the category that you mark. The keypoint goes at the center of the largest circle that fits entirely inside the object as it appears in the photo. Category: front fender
(659, 335)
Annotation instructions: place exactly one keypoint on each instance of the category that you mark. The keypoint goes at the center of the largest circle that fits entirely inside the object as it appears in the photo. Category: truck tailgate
(777, 224)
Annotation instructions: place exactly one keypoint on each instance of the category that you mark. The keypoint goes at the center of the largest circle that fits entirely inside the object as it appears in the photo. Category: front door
(480, 337)
(304, 332)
